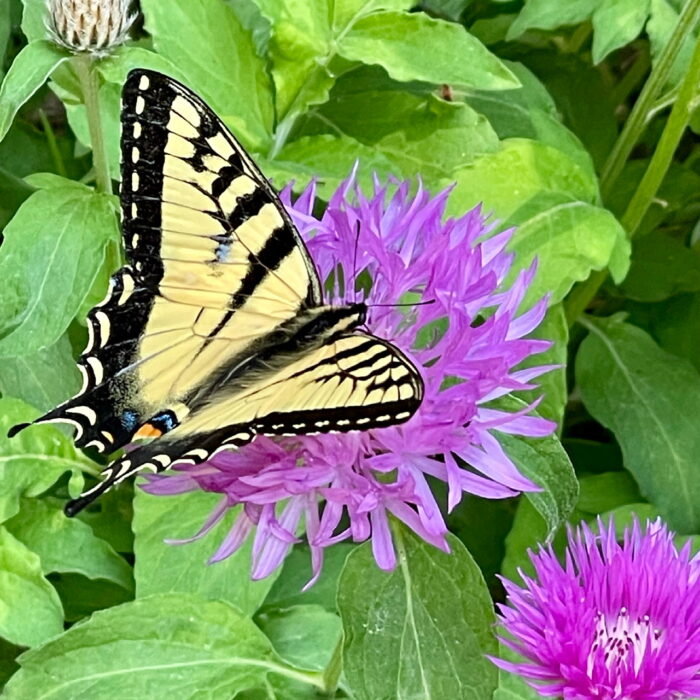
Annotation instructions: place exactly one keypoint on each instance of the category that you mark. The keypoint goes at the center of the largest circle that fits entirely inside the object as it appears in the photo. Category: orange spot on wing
(148, 431)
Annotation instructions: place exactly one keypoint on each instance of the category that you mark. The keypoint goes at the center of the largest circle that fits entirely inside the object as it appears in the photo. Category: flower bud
(93, 26)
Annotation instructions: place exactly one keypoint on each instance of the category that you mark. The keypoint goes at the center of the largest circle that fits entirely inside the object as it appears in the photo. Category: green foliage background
(572, 120)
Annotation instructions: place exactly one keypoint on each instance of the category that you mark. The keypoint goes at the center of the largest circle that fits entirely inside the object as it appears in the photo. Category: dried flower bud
(94, 26)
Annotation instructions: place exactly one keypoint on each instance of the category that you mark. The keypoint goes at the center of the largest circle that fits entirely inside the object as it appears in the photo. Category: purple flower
(467, 343)
(614, 622)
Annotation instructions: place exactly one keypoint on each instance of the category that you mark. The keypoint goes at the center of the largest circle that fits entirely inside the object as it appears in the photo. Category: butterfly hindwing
(355, 382)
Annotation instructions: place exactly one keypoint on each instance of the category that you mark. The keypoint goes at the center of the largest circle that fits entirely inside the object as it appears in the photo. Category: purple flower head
(615, 621)
(466, 342)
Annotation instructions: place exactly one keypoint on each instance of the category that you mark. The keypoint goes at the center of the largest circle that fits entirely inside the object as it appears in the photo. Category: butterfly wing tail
(158, 456)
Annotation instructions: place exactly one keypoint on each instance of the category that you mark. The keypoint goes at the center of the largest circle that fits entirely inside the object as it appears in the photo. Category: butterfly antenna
(408, 303)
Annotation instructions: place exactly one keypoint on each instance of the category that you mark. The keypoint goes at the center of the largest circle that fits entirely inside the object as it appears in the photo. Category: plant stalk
(89, 84)
(637, 120)
(582, 295)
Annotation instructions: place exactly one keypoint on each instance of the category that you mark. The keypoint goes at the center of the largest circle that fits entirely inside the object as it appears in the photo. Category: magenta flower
(618, 622)
(467, 343)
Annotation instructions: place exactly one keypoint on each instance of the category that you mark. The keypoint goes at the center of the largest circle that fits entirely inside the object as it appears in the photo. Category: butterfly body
(215, 330)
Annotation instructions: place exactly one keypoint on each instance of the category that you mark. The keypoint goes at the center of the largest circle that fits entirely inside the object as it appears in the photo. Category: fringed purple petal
(467, 342)
(615, 621)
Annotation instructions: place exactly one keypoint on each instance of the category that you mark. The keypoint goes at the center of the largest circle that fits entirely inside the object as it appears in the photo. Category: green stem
(666, 148)
(582, 295)
(89, 84)
(52, 144)
(331, 674)
(636, 123)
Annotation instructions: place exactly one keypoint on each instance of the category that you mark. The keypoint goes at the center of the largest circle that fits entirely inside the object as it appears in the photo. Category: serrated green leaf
(176, 646)
(219, 61)
(30, 610)
(397, 41)
(53, 250)
(33, 460)
(43, 378)
(67, 545)
(28, 72)
(420, 631)
(650, 400)
(162, 567)
(617, 23)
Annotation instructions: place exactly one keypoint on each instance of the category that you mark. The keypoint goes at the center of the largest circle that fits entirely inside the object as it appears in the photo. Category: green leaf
(42, 379)
(304, 48)
(30, 610)
(13, 191)
(551, 14)
(67, 544)
(661, 267)
(650, 400)
(529, 112)
(617, 23)
(162, 567)
(287, 590)
(420, 631)
(569, 239)
(421, 135)
(676, 326)
(662, 22)
(28, 72)
(175, 646)
(53, 250)
(583, 97)
(529, 529)
(110, 106)
(219, 61)
(329, 159)
(505, 180)
(397, 41)
(602, 492)
(33, 460)
(5, 30)
(34, 16)
(449, 9)
(552, 385)
(510, 685)
(544, 461)
(305, 635)
(82, 596)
